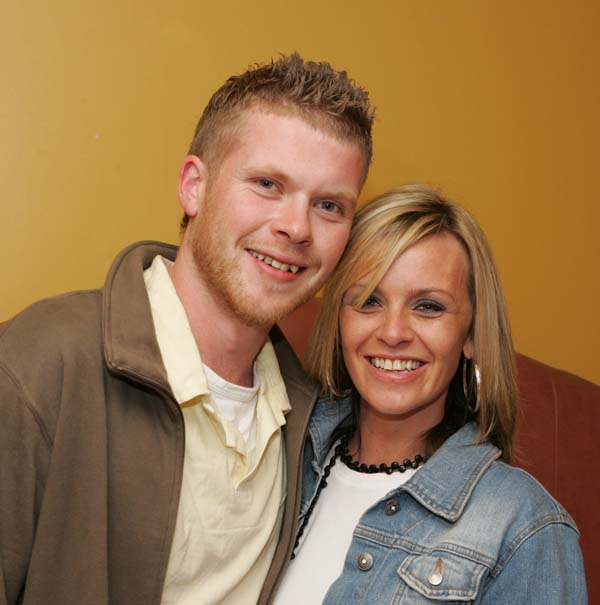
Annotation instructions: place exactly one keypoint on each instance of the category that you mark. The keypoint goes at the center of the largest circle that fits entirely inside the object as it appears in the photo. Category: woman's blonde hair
(383, 229)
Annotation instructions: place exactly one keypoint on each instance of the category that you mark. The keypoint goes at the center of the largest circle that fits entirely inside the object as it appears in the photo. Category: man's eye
(266, 183)
(329, 206)
(430, 307)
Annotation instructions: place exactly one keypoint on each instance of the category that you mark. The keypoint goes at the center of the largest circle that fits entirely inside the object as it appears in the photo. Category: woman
(408, 496)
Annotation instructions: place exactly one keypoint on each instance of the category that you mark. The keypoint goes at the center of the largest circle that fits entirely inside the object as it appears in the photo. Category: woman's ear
(468, 348)
(192, 184)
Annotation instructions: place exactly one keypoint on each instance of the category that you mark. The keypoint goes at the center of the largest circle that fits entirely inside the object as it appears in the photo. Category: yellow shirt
(230, 508)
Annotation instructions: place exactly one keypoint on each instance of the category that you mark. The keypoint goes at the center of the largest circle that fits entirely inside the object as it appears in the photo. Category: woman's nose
(396, 328)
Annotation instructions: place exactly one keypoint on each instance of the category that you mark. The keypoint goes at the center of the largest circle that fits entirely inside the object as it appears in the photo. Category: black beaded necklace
(341, 452)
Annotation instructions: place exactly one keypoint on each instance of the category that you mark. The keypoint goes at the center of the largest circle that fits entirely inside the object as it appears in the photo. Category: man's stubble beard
(221, 273)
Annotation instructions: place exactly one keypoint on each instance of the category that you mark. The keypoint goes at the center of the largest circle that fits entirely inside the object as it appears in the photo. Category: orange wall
(494, 102)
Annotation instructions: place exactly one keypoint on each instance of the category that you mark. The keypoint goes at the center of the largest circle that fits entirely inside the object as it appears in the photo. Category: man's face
(275, 215)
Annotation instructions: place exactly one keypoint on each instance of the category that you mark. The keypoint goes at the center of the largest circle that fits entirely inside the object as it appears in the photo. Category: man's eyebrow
(265, 171)
(344, 196)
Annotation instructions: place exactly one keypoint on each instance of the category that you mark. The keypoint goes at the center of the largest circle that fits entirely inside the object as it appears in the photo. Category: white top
(231, 501)
(327, 537)
(236, 404)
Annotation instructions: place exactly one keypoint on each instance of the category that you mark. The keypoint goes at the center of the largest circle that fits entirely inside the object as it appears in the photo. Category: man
(141, 433)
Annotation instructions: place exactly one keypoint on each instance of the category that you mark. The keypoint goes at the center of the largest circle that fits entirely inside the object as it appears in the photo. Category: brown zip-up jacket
(92, 446)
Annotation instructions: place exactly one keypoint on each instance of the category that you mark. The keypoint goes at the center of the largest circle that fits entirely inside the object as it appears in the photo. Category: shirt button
(391, 507)
(364, 561)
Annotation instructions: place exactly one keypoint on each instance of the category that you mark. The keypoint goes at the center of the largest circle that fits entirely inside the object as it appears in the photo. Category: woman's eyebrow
(425, 291)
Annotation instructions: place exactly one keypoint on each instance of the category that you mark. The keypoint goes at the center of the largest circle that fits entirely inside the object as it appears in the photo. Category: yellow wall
(495, 102)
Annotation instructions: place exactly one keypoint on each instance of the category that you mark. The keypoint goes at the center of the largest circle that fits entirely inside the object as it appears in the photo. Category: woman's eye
(430, 307)
(371, 302)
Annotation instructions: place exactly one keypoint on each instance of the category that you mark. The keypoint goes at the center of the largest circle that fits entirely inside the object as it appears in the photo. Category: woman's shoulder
(512, 493)
(525, 531)
(482, 484)
(466, 483)
(496, 510)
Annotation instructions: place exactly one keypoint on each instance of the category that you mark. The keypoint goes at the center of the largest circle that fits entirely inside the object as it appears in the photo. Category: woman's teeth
(397, 365)
(275, 263)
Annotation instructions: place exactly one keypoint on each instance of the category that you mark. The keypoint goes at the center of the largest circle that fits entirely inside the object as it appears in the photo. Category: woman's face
(403, 346)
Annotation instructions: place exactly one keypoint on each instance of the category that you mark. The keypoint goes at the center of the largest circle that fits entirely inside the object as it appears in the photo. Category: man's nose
(292, 222)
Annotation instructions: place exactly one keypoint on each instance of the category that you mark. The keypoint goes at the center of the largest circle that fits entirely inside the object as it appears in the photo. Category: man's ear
(192, 184)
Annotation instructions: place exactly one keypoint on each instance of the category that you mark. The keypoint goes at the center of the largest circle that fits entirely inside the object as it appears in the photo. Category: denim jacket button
(391, 507)
(364, 561)
(435, 577)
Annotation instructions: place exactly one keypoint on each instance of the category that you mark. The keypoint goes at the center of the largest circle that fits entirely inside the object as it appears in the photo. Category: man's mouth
(272, 262)
(395, 365)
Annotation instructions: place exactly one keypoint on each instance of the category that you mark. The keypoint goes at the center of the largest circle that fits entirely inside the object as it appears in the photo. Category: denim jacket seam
(528, 532)
(453, 593)
(469, 485)
(317, 470)
(453, 512)
(415, 548)
(314, 434)
(559, 509)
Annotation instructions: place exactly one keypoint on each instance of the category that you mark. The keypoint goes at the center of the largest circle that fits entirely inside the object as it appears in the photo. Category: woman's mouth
(395, 365)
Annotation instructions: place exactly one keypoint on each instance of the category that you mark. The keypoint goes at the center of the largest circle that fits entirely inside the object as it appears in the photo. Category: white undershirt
(327, 537)
(237, 404)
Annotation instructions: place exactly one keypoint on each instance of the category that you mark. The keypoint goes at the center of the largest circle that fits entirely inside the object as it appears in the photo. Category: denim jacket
(466, 528)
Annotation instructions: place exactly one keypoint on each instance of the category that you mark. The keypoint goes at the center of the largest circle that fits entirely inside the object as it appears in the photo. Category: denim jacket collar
(442, 491)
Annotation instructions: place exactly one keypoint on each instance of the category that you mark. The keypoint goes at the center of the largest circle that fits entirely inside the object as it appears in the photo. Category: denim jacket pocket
(443, 576)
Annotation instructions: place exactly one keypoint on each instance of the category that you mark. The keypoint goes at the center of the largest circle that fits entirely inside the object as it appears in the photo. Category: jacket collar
(130, 345)
(328, 416)
(444, 485)
(446, 482)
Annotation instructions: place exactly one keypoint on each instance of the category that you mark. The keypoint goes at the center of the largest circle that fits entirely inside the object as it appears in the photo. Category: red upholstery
(558, 443)
(557, 438)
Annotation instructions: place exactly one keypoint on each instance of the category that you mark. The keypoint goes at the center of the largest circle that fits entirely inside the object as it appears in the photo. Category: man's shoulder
(53, 343)
(77, 316)
(52, 324)
(57, 316)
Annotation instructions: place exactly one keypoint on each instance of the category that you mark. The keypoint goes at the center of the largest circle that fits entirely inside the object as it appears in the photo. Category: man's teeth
(275, 263)
(402, 365)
